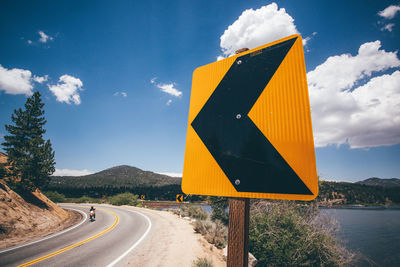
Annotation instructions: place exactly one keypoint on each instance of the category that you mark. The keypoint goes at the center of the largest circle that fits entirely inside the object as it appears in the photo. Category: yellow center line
(77, 244)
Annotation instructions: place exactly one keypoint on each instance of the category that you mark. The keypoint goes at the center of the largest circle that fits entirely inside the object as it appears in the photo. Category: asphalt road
(104, 242)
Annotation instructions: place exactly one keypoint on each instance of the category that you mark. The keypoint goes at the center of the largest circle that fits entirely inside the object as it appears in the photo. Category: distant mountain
(120, 176)
(374, 181)
(373, 192)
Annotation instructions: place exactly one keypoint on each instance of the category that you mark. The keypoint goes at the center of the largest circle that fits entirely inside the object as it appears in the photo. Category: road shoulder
(73, 218)
(172, 242)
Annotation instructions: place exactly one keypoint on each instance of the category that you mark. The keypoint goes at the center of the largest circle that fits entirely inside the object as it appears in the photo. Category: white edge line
(50, 236)
(137, 242)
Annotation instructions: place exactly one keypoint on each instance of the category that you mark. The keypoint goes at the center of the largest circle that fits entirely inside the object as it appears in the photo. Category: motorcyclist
(94, 212)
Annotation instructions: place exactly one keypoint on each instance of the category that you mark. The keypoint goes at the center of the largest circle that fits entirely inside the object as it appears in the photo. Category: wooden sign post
(238, 232)
(238, 228)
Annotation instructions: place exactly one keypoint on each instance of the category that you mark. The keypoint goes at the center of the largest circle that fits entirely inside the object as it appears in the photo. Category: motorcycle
(92, 215)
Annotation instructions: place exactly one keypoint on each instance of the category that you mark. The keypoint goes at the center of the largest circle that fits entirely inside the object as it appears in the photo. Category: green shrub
(55, 196)
(83, 199)
(124, 199)
(219, 208)
(202, 262)
(283, 234)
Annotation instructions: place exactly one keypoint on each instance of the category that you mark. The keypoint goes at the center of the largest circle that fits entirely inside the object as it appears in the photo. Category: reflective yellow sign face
(142, 197)
(249, 132)
(179, 198)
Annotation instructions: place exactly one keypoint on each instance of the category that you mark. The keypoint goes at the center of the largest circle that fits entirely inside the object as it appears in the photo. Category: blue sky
(115, 76)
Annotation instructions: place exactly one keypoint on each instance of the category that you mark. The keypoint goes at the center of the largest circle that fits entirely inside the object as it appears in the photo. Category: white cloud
(389, 12)
(29, 42)
(308, 38)
(168, 88)
(169, 102)
(67, 89)
(257, 27)
(388, 27)
(16, 81)
(68, 172)
(44, 38)
(123, 94)
(39, 79)
(344, 112)
(172, 174)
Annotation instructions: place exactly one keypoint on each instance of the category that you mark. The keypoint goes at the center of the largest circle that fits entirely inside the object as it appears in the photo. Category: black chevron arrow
(245, 155)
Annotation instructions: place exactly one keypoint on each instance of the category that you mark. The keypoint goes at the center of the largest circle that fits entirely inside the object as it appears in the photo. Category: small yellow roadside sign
(249, 131)
(179, 198)
(142, 197)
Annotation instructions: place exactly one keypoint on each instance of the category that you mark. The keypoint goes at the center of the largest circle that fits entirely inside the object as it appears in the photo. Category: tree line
(166, 192)
(343, 193)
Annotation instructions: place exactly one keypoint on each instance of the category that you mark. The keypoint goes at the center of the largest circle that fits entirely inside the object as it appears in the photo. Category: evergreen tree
(30, 157)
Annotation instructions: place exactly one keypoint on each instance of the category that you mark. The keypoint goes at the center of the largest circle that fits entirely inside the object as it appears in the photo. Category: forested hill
(120, 176)
(380, 192)
(392, 182)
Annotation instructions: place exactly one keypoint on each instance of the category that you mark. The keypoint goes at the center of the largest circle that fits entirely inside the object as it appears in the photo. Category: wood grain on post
(238, 232)
(238, 229)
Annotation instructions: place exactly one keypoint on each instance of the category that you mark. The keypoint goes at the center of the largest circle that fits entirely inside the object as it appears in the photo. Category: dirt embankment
(29, 217)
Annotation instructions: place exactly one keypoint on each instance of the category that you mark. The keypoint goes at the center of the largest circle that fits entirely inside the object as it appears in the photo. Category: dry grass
(191, 211)
(214, 232)
(202, 262)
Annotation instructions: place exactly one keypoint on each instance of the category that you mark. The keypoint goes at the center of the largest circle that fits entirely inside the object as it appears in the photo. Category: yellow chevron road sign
(249, 132)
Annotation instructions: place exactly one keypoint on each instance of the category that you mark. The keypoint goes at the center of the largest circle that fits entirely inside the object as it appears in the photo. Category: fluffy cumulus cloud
(67, 89)
(16, 81)
(44, 38)
(349, 105)
(68, 172)
(257, 27)
(389, 12)
(168, 88)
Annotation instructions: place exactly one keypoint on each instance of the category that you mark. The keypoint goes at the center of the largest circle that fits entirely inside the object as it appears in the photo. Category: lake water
(373, 232)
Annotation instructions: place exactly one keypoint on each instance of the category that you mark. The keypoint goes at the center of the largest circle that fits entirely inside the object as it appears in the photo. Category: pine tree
(31, 159)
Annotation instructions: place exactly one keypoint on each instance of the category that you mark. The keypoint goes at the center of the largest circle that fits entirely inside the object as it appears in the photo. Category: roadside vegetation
(118, 200)
(124, 199)
(213, 231)
(191, 211)
(283, 232)
(55, 196)
(288, 233)
(202, 262)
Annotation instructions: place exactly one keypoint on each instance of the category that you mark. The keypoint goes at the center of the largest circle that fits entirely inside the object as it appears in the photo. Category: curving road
(105, 242)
